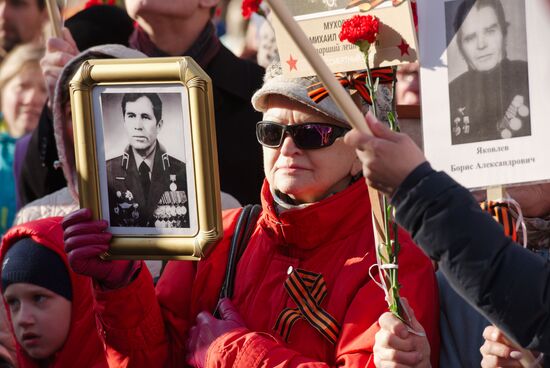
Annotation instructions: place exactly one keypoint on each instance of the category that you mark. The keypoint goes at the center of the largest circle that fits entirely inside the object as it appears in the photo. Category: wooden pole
(55, 17)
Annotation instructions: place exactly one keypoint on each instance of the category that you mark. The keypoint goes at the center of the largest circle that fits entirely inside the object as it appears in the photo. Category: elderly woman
(22, 89)
(22, 94)
(303, 295)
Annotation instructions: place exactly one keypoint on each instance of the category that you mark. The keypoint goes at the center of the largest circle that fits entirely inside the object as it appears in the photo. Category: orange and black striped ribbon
(353, 80)
(307, 290)
(501, 213)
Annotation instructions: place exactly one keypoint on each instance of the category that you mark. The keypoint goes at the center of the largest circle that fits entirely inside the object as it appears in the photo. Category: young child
(50, 307)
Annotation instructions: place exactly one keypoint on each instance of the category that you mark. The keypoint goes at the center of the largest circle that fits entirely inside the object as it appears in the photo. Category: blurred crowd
(303, 291)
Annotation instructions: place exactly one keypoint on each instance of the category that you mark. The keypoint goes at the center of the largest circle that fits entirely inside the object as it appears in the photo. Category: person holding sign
(481, 31)
(173, 28)
(507, 283)
(303, 294)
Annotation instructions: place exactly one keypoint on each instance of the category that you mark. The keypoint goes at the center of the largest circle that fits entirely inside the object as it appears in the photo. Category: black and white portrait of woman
(488, 70)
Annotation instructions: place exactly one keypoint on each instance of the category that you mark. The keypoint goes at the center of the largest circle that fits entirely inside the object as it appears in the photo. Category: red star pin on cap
(292, 63)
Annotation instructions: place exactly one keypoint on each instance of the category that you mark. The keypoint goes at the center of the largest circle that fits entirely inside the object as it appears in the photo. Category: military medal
(173, 186)
(135, 213)
(511, 122)
(466, 127)
(456, 128)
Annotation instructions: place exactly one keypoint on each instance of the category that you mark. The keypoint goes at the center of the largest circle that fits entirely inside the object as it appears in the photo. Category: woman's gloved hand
(85, 240)
(208, 328)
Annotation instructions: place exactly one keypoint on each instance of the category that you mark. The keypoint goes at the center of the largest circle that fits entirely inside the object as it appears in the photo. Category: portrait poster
(484, 85)
(146, 156)
(123, 202)
(321, 20)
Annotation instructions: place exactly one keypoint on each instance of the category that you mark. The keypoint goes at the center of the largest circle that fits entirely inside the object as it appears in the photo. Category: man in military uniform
(147, 187)
(491, 100)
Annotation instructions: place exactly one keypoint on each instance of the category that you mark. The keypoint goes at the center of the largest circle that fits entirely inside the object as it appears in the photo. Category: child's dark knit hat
(29, 262)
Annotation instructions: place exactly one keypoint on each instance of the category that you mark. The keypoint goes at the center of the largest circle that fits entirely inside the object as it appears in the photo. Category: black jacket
(239, 153)
(508, 284)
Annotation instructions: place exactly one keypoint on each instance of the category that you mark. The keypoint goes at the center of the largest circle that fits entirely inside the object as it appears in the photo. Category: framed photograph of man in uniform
(484, 84)
(146, 155)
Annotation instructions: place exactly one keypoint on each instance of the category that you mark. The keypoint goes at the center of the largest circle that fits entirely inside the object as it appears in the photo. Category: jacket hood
(60, 123)
(83, 347)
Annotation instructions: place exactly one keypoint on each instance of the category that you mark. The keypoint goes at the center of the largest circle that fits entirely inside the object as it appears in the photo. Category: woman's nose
(288, 147)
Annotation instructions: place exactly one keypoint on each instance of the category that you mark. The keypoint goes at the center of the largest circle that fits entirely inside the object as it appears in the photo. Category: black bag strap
(243, 230)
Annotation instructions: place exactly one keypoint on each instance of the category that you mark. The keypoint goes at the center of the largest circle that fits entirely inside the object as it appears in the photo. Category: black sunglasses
(305, 136)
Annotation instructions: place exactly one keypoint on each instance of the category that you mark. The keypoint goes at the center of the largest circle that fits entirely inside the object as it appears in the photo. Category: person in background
(311, 247)
(21, 21)
(50, 307)
(65, 200)
(22, 89)
(462, 326)
(467, 337)
(39, 171)
(182, 27)
(235, 26)
(407, 89)
(22, 94)
(482, 264)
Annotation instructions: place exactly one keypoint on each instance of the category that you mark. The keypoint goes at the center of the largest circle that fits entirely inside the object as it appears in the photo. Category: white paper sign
(485, 83)
(322, 20)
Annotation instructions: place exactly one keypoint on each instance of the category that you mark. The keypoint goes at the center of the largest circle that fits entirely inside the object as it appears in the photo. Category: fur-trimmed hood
(60, 123)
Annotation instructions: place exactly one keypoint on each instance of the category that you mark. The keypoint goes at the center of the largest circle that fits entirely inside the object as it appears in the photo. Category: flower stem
(371, 88)
(389, 249)
(393, 84)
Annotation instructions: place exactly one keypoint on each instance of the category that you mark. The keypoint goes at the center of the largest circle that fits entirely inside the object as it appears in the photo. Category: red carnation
(91, 3)
(249, 7)
(360, 28)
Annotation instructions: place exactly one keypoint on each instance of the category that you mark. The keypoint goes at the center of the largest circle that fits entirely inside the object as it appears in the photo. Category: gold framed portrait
(146, 157)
